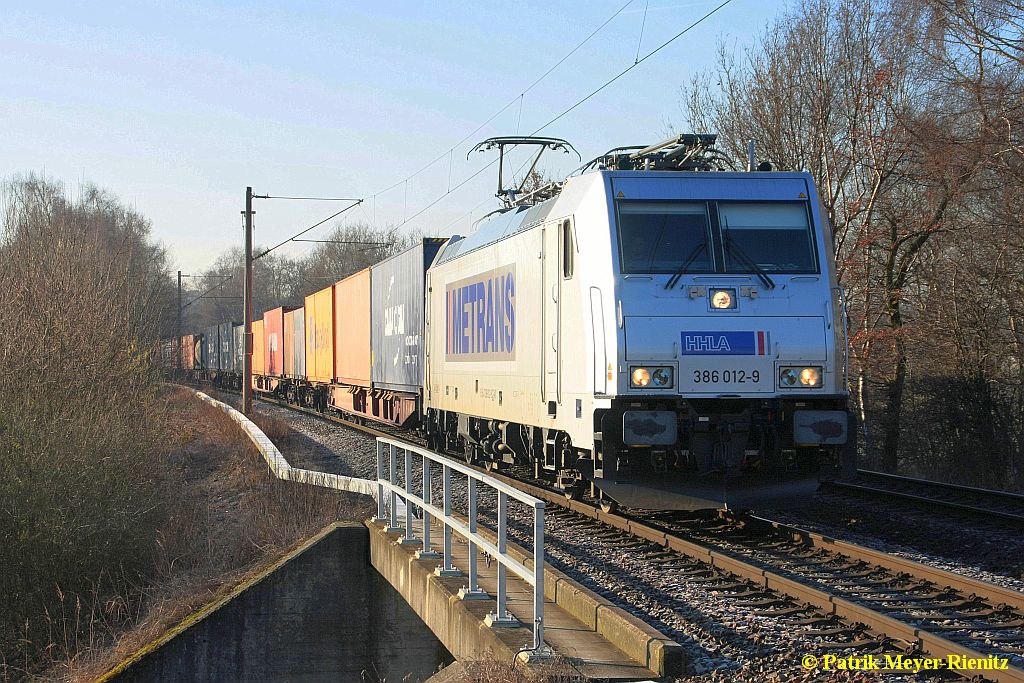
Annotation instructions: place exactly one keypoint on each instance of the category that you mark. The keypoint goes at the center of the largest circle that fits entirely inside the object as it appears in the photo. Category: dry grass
(490, 670)
(229, 518)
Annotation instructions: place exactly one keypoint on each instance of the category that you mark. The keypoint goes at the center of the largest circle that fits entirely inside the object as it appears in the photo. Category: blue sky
(176, 107)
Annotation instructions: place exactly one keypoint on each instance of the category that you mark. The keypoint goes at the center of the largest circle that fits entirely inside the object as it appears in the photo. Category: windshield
(708, 237)
(773, 236)
(660, 237)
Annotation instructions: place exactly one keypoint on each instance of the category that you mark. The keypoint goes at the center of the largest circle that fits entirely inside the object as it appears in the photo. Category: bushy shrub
(83, 291)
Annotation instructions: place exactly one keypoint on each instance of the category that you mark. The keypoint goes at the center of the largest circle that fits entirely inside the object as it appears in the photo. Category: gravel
(990, 552)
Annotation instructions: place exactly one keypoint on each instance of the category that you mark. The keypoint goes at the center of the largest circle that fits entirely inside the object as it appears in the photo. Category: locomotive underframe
(722, 443)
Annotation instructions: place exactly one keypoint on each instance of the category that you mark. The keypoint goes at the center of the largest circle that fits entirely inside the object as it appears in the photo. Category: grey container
(211, 348)
(238, 349)
(396, 315)
(226, 331)
(295, 343)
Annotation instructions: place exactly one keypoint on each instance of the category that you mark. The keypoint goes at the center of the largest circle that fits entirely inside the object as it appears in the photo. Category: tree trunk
(894, 407)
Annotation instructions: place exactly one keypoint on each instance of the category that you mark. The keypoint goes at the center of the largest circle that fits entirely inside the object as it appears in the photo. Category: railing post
(447, 568)
(538, 574)
(381, 506)
(473, 590)
(501, 617)
(410, 533)
(425, 553)
(393, 523)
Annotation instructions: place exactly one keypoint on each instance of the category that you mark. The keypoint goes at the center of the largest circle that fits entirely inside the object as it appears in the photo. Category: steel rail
(915, 637)
(923, 497)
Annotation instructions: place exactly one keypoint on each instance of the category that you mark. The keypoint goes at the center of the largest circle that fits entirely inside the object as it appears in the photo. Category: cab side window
(568, 250)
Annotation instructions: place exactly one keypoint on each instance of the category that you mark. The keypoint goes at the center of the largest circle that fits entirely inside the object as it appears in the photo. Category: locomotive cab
(730, 373)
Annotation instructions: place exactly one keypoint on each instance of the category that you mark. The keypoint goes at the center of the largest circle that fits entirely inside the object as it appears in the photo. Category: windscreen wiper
(735, 249)
(686, 264)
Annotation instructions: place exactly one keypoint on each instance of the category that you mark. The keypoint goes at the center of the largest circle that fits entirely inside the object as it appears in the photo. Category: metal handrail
(390, 493)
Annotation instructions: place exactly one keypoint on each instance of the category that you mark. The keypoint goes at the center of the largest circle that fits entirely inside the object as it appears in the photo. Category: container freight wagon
(226, 362)
(295, 343)
(211, 350)
(237, 355)
(273, 334)
(397, 296)
(352, 330)
(198, 352)
(258, 361)
(188, 352)
(319, 319)
(352, 355)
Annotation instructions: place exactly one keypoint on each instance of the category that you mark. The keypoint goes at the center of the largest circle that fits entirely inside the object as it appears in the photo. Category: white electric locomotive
(659, 333)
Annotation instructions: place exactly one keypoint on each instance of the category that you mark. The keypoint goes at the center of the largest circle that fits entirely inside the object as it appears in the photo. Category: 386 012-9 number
(726, 376)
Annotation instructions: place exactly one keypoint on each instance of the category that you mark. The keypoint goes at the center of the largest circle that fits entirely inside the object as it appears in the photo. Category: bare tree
(282, 281)
(850, 91)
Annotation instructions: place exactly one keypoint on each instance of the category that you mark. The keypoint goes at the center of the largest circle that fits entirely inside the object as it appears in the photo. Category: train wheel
(574, 492)
(607, 505)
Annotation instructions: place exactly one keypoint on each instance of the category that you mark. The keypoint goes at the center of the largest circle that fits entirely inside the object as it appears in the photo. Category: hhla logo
(708, 343)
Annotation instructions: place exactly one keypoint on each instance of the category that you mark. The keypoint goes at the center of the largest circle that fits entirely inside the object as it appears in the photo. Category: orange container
(187, 352)
(273, 344)
(320, 336)
(259, 366)
(352, 358)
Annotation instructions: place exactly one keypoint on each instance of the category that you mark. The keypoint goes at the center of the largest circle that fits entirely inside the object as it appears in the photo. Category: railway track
(866, 598)
(841, 596)
(983, 503)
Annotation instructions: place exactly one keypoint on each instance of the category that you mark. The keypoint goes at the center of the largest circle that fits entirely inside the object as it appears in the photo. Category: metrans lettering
(480, 316)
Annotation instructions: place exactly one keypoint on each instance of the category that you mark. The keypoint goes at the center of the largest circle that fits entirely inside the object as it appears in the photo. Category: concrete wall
(320, 614)
(458, 623)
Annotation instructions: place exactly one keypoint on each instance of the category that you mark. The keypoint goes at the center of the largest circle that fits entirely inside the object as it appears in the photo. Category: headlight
(800, 377)
(810, 377)
(723, 298)
(659, 377)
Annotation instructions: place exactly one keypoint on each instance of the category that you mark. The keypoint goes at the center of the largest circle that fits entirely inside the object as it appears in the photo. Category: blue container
(396, 315)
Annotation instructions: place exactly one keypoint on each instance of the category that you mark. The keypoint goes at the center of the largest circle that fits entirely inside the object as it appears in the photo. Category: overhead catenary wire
(582, 100)
(310, 199)
(629, 68)
(643, 25)
(450, 151)
(517, 98)
(211, 289)
(263, 253)
(407, 219)
(635, 64)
